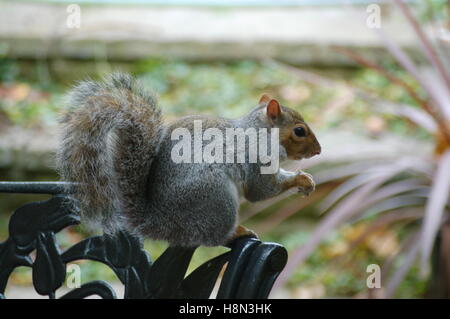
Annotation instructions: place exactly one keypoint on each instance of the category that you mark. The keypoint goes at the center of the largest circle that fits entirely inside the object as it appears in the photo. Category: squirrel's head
(295, 135)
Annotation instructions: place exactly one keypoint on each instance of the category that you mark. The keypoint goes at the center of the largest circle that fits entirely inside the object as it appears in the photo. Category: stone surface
(296, 34)
(27, 150)
(33, 150)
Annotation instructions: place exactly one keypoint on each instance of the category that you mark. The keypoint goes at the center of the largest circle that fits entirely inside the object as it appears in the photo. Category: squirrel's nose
(318, 151)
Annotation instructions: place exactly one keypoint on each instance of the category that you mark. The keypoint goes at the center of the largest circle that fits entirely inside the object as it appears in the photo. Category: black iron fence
(252, 265)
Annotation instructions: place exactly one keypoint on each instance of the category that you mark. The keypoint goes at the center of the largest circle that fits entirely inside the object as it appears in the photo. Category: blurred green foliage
(31, 95)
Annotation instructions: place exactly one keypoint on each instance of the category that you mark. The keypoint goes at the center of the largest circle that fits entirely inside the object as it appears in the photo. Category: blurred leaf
(435, 208)
(425, 43)
(407, 262)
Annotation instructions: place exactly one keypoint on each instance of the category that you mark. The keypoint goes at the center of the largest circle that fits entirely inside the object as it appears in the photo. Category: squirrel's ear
(273, 109)
(264, 98)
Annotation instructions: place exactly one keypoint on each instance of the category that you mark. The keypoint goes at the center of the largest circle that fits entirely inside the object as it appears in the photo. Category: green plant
(410, 190)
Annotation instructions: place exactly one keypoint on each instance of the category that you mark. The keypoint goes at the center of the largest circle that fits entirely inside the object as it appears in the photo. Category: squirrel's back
(110, 135)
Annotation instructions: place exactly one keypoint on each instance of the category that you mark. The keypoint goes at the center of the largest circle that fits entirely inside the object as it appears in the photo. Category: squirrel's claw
(307, 184)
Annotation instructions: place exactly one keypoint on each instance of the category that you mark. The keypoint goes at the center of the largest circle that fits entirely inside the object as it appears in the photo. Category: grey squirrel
(116, 148)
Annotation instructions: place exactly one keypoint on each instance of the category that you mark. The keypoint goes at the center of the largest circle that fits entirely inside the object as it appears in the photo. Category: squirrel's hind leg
(240, 232)
(219, 216)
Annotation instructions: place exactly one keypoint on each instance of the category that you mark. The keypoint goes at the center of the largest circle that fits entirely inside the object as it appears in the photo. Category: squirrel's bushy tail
(109, 138)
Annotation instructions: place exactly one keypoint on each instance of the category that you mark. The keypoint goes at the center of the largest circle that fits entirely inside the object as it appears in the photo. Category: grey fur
(116, 147)
(112, 130)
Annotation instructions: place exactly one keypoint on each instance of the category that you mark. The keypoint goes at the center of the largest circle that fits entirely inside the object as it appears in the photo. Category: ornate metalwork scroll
(252, 266)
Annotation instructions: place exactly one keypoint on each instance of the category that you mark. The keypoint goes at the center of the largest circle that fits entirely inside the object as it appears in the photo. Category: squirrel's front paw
(305, 183)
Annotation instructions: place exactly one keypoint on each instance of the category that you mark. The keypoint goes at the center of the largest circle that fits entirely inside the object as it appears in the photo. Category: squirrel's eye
(300, 131)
